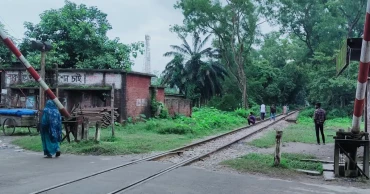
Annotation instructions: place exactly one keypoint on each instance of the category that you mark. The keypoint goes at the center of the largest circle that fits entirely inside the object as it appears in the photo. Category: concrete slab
(191, 180)
(25, 172)
(328, 176)
(328, 167)
(113, 180)
(309, 172)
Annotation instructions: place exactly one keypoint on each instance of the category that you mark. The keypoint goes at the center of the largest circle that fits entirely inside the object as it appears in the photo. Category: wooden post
(97, 131)
(277, 155)
(79, 128)
(336, 159)
(85, 126)
(112, 108)
(56, 80)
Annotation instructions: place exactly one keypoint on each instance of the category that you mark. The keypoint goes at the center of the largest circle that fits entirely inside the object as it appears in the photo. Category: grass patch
(123, 143)
(152, 135)
(263, 163)
(304, 132)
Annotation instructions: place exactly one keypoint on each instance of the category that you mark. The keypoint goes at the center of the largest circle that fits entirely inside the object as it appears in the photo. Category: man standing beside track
(319, 119)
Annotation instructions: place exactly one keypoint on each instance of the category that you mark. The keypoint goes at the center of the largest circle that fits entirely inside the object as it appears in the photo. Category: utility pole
(56, 80)
(112, 108)
(42, 74)
(43, 47)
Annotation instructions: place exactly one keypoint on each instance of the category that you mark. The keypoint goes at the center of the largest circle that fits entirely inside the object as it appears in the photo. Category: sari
(51, 129)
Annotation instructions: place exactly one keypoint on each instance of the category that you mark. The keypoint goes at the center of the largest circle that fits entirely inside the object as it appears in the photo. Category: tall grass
(152, 135)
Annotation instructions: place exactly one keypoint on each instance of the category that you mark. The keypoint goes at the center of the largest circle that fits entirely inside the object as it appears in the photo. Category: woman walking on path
(51, 130)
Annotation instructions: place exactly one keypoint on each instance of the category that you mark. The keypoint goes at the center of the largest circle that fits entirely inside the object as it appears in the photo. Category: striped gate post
(33, 72)
(363, 73)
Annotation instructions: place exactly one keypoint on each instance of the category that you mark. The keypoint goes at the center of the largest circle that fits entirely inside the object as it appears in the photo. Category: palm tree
(195, 66)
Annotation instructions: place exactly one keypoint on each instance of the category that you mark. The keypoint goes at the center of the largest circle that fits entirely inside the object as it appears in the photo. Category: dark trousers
(263, 116)
(251, 122)
(320, 127)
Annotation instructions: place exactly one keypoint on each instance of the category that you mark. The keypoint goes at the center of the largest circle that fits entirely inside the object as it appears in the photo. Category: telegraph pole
(42, 74)
(43, 47)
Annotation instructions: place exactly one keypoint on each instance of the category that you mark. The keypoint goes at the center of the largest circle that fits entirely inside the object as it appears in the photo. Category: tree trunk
(244, 97)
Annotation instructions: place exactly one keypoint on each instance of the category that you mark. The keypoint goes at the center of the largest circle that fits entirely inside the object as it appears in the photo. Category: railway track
(180, 156)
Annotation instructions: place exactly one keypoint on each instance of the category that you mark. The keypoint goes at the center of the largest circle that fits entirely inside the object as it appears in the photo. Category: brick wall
(160, 95)
(178, 105)
(137, 95)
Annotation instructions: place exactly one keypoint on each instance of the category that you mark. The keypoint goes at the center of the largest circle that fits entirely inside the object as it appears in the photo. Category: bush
(336, 113)
(164, 114)
(241, 112)
(179, 129)
(202, 122)
(308, 112)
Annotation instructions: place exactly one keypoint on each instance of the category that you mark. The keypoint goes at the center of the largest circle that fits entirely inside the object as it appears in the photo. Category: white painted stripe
(368, 6)
(360, 91)
(365, 51)
(57, 102)
(43, 84)
(356, 123)
(24, 61)
(2, 34)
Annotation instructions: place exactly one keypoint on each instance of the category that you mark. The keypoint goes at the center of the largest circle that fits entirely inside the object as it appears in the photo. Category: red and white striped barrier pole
(33, 72)
(363, 74)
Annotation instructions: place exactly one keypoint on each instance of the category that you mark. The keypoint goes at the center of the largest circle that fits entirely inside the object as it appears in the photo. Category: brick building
(87, 87)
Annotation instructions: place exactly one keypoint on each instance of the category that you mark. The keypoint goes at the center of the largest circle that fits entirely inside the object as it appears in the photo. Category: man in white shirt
(263, 111)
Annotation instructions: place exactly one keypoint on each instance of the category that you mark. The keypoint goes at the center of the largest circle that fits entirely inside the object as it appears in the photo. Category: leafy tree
(79, 33)
(5, 55)
(321, 26)
(193, 69)
(234, 26)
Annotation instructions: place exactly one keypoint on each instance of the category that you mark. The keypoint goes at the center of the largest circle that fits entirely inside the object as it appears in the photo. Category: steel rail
(154, 157)
(193, 159)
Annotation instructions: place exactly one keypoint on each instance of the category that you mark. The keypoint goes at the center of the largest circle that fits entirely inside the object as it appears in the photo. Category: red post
(33, 72)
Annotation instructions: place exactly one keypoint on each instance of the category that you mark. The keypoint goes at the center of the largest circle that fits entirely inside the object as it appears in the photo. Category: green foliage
(193, 70)
(234, 26)
(263, 163)
(6, 57)
(308, 112)
(78, 34)
(292, 66)
(164, 114)
(150, 135)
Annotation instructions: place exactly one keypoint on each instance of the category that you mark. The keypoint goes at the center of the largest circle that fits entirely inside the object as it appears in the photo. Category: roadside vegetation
(263, 163)
(157, 134)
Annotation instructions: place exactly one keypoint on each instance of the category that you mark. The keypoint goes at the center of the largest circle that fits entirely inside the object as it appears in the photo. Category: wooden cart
(12, 118)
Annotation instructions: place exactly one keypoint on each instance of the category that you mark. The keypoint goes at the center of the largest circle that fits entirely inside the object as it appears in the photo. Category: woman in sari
(51, 130)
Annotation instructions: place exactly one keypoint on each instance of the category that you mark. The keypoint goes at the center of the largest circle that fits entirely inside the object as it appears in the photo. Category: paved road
(25, 172)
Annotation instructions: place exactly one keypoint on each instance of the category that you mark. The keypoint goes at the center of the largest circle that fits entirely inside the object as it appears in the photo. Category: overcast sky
(130, 19)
